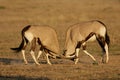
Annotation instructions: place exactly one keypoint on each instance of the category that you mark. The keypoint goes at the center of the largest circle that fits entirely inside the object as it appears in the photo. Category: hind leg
(47, 56)
(104, 46)
(105, 57)
(23, 53)
(33, 50)
(39, 53)
(24, 58)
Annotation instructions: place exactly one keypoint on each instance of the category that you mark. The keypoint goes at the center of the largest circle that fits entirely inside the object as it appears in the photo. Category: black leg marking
(40, 43)
(84, 47)
(25, 44)
(33, 44)
(79, 44)
(89, 36)
(41, 48)
(107, 39)
(101, 42)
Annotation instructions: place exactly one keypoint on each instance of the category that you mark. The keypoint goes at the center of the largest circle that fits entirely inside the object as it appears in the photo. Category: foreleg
(86, 52)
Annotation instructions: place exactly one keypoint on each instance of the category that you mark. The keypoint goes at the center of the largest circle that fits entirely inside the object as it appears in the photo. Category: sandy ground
(14, 15)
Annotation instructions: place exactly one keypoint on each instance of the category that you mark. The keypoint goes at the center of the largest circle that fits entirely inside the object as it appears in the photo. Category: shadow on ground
(8, 61)
(21, 78)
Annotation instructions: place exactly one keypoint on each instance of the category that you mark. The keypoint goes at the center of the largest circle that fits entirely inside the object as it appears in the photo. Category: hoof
(72, 59)
(95, 63)
(37, 64)
(76, 60)
(26, 63)
(104, 61)
(49, 63)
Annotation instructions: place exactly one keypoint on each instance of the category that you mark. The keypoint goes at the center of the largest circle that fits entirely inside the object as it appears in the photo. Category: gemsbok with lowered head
(79, 34)
(44, 36)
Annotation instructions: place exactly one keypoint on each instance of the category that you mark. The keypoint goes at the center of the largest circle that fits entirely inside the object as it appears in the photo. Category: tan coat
(80, 31)
(47, 36)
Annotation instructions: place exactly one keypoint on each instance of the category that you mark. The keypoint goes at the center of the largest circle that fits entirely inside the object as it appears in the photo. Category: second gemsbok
(79, 34)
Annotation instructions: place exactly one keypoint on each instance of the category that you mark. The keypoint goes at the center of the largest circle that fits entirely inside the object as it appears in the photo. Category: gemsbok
(44, 36)
(79, 34)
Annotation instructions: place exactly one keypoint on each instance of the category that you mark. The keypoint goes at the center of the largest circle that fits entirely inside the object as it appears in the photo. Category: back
(82, 30)
(87, 27)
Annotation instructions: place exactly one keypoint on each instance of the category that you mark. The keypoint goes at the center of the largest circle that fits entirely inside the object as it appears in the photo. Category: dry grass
(59, 14)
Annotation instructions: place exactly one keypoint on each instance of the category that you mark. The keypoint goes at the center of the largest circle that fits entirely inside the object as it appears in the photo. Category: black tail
(20, 47)
(24, 40)
(107, 39)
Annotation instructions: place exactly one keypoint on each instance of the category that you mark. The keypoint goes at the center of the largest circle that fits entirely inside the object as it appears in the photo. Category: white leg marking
(48, 61)
(33, 56)
(39, 54)
(70, 56)
(89, 55)
(77, 53)
(107, 54)
(23, 53)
